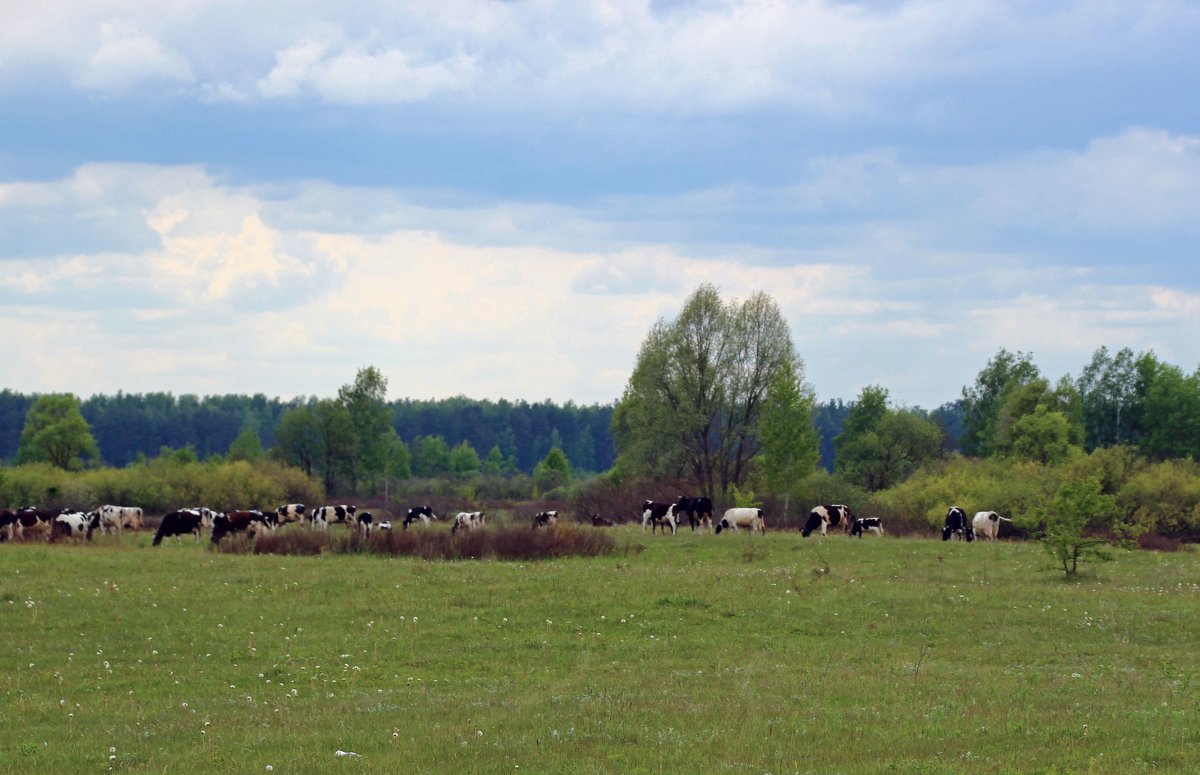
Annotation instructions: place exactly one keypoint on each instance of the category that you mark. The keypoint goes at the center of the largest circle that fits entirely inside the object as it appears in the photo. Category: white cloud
(567, 58)
(513, 300)
(125, 57)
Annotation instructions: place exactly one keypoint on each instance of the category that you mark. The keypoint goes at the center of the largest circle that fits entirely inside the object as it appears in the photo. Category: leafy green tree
(1042, 435)
(339, 445)
(692, 405)
(880, 455)
(365, 401)
(55, 432)
(1108, 386)
(982, 403)
(554, 471)
(790, 446)
(463, 459)
(300, 439)
(495, 460)
(1062, 532)
(431, 457)
(247, 446)
(1171, 414)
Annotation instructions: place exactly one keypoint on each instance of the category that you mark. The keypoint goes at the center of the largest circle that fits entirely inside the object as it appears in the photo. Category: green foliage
(790, 446)
(247, 446)
(1043, 436)
(1171, 414)
(984, 401)
(554, 471)
(161, 484)
(431, 457)
(879, 446)
(463, 459)
(691, 408)
(55, 432)
(1062, 530)
(1164, 498)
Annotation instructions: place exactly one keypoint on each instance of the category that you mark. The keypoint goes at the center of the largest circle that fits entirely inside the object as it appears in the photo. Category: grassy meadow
(704, 654)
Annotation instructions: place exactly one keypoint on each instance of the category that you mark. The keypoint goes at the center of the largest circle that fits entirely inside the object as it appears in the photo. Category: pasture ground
(700, 654)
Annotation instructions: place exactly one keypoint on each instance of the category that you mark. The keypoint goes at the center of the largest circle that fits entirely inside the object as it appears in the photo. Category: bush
(515, 543)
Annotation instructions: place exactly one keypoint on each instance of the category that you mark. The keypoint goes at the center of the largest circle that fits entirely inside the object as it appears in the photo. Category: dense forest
(130, 426)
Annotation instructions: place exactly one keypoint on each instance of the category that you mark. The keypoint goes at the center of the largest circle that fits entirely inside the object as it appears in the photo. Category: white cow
(742, 517)
(467, 520)
(987, 524)
(290, 512)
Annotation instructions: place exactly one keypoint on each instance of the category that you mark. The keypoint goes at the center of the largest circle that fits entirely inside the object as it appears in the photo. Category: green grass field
(704, 654)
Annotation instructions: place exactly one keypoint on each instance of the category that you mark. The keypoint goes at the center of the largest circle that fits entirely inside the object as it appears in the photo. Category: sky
(499, 199)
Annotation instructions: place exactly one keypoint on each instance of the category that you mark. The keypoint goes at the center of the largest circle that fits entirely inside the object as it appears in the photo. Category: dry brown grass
(510, 543)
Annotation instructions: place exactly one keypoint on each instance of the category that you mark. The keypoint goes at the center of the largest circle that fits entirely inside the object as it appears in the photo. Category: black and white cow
(699, 511)
(986, 524)
(736, 518)
(866, 525)
(323, 516)
(957, 525)
(467, 520)
(249, 521)
(290, 512)
(76, 525)
(183, 521)
(365, 521)
(824, 517)
(655, 514)
(423, 513)
(545, 519)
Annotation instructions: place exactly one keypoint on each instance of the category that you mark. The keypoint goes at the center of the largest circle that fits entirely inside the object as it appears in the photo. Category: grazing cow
(251, 521)
(385, 525)
(365, 520)
(120, 517)
(824, 517)
(699, 511)
(545, 519)
(742, 517)
(35, 522)
(655, 514)
(177, 523)
(957, 525)
(467, 520)
(322, 516)
(423, 513)
(599, 521)
(865, 525)
(291, 512)
(76, 525)
(986, 524)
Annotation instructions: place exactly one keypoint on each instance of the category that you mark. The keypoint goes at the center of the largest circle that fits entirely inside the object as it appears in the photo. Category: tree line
(128, 427)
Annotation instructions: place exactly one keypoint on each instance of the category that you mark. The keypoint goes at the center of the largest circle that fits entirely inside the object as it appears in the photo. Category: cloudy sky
(498, 199)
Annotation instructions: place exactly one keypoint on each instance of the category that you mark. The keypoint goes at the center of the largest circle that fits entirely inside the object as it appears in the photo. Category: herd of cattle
(697, 512)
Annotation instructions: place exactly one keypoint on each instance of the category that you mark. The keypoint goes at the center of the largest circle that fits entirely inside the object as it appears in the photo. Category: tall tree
(880, 446)
(1171, 414)
(692, 405)
(365, 401)
(300, 439)
(983, 401)
(790, 446)
(55, 432)
(1108, 386)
